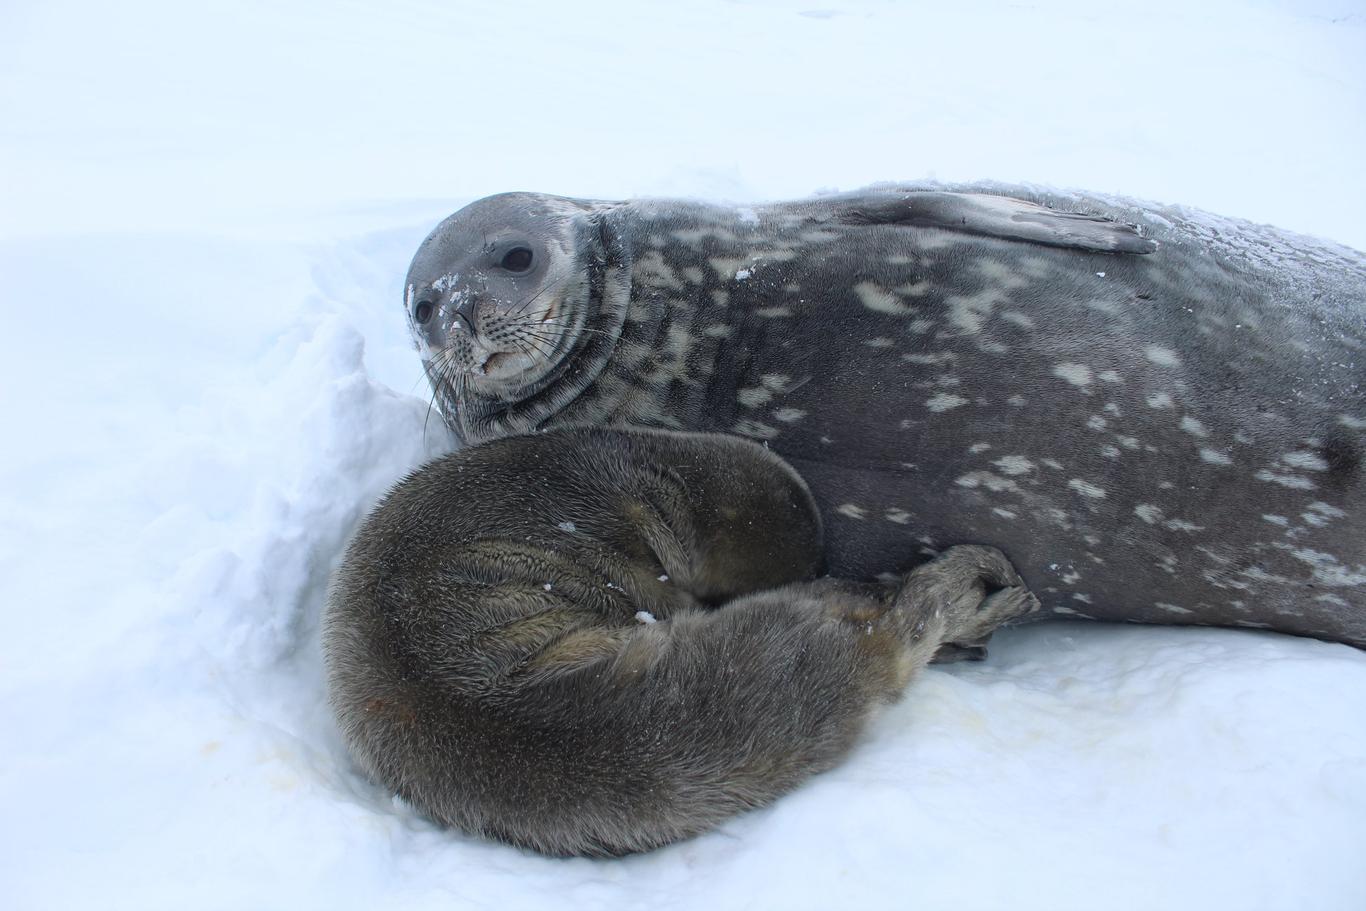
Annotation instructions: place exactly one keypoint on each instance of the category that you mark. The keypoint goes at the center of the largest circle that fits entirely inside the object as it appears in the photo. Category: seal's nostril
(463, 315)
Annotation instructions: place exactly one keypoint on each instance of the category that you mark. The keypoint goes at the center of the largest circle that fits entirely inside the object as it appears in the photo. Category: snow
(206, 217)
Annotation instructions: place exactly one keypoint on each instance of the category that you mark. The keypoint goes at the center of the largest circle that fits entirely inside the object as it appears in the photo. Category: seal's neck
(679, 340)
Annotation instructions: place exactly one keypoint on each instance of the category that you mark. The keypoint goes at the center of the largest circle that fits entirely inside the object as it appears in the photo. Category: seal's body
(597, 642)
(1160, 421)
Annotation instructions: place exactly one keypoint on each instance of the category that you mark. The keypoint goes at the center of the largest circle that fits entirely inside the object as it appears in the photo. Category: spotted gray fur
(1194, 368)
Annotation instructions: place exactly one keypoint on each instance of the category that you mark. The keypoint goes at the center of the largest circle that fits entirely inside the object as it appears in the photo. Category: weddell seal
(596, 641)
(1157, 413)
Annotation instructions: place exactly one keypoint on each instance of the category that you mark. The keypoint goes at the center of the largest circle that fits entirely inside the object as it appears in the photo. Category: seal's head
(500, 294)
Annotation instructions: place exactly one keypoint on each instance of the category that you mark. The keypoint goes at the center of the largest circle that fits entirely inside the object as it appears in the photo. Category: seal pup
(1156, 412)
(596, 642)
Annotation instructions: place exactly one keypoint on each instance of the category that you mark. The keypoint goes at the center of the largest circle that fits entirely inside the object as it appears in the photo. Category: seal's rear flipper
(994, 216)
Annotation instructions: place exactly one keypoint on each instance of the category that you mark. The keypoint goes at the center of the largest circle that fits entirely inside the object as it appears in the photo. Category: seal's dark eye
(518, 259)
(423, 311)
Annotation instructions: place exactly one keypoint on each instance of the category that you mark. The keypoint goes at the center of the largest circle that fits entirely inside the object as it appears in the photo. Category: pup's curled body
(595, 642)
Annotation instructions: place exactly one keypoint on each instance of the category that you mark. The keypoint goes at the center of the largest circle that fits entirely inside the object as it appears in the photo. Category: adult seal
(1157, 413)
(596, 641)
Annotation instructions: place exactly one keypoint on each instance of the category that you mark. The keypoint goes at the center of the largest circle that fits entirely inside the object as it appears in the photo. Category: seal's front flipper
(972, 589)
(994, 216)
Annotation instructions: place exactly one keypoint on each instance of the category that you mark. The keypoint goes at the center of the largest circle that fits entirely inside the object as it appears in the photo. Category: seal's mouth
(498, 362)
(514, 349)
